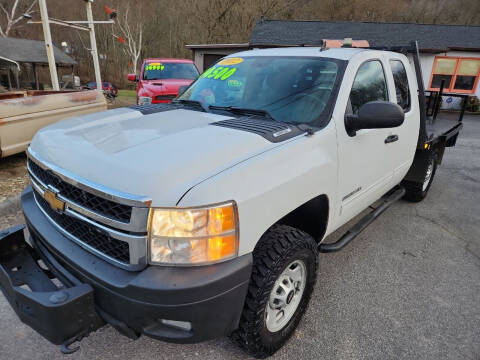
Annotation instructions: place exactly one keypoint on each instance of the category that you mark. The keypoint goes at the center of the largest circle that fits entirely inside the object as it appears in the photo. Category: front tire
(283, 277)
(416, 191)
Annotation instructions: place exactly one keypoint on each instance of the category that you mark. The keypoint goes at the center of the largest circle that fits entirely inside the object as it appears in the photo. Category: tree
(162, 28)
(12, 18)
(131, 34)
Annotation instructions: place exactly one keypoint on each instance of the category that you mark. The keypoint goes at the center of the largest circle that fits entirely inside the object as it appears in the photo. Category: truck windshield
(290, 89)
(159, 70)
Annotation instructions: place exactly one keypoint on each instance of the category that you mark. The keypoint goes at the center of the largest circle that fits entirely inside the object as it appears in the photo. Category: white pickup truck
(205, 217)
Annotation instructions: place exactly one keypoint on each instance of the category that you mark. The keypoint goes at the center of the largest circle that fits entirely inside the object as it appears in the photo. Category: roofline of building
(271, 45)
(71, 63)
(457, 48)
(366, 22)
(59, 64)
(217, 46)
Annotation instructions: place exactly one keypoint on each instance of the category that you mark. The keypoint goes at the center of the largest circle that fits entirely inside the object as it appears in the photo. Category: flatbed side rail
(434, 101)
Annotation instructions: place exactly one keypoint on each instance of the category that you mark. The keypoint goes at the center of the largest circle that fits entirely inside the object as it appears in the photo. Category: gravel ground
(13, 176)
(407, 288)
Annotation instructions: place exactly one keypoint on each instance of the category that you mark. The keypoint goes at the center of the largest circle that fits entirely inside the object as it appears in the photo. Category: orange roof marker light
(347, 42)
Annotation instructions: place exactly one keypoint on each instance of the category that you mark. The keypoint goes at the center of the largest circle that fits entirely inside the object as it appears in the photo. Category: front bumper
(209, 298)
(57, 314)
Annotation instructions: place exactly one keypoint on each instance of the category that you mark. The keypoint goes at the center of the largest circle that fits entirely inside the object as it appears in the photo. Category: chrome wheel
(285, 296)
(428, 175)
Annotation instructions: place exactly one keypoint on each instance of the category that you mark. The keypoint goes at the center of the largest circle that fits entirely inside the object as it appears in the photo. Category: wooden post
(9, 79)
(48, 44)
(93, 44)
(35, 75)
(17, 80)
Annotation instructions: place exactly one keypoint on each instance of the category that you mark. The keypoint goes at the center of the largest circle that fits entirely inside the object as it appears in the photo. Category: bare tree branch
(132, 31)
(4, 10)
(12, 19)
(14, 9)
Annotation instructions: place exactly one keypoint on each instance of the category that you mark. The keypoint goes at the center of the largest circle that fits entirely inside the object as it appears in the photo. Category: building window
(460, 74)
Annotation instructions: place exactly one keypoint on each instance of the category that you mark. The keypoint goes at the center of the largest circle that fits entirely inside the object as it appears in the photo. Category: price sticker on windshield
(231, 61)
(234, 83)
(219, 73)
(155, 66)
(222, 70)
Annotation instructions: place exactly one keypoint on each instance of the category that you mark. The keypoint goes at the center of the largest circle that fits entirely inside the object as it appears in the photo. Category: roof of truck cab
(337, 53)
(170, 60)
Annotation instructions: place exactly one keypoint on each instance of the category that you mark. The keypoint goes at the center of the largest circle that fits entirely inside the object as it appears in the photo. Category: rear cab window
(402, 87)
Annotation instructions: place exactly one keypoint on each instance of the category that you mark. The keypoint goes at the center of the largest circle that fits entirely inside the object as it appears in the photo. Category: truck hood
(159, 156)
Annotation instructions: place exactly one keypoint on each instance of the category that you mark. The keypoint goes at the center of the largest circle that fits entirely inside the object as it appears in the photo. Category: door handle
(391, 138)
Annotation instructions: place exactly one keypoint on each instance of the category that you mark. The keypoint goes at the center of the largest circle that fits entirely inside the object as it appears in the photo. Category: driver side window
(369, 85)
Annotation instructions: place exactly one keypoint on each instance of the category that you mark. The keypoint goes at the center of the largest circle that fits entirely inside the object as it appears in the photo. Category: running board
(388, 199)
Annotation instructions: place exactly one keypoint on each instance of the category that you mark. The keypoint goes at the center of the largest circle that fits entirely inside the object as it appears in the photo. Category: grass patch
(127, 93)
(125, 98)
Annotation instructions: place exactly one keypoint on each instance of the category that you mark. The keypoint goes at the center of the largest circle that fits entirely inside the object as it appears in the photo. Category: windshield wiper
(195, 103)
(243, 111)
(310, 130)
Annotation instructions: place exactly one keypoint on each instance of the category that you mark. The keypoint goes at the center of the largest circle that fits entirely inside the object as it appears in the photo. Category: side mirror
(375, 115)
(132, 77)
(182, 89)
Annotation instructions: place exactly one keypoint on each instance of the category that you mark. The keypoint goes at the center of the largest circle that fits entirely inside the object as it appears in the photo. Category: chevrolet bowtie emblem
(55, 203)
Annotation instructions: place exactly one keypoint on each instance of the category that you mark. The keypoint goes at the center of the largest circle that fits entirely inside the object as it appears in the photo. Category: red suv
(160, 79)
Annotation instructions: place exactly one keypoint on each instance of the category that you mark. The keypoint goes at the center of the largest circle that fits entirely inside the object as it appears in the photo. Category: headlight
(144, 100)
(196, 236)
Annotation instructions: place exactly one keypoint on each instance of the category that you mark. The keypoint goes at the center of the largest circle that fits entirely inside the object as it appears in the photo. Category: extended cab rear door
(365, 162)
(403, 87)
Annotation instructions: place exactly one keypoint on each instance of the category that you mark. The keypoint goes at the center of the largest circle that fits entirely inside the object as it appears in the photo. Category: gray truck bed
(441, 125)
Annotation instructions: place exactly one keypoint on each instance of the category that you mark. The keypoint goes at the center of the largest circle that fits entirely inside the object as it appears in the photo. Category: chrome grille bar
(140, 206)
(133, 233)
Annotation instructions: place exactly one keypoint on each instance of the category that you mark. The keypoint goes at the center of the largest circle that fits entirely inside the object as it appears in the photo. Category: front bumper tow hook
(65, 347)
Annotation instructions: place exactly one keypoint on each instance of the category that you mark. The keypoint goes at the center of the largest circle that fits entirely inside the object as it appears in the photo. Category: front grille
(81, 197)
(165, 97)
(87, 233)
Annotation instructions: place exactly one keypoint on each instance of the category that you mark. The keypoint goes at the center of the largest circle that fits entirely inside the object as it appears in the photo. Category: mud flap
(43, 294)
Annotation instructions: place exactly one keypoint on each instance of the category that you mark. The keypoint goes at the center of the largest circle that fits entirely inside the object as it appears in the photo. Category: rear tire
(283, 276)
(416, 191)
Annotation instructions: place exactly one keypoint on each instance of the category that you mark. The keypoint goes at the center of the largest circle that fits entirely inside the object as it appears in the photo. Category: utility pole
(93, 42)
(78, 25)
(48, 44)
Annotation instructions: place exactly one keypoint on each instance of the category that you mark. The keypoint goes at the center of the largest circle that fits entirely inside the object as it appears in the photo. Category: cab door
(365, 170)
